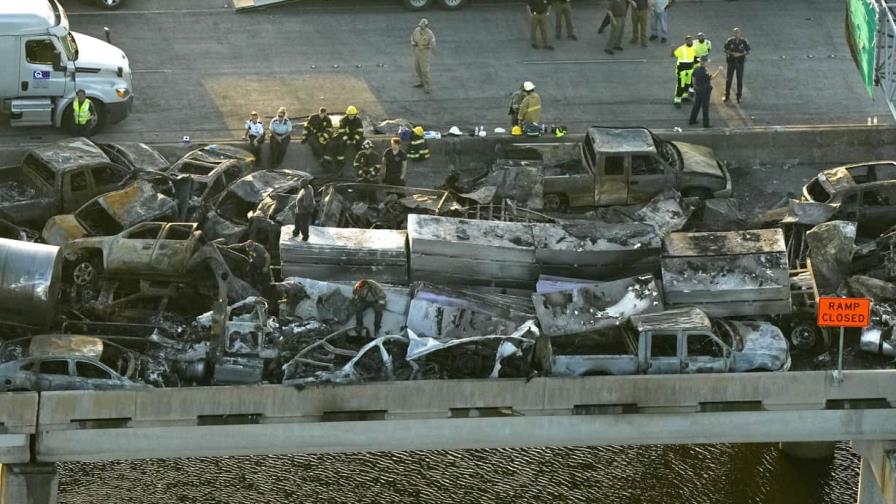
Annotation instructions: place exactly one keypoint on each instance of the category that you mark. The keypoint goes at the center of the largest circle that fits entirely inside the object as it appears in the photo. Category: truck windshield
(69, 46)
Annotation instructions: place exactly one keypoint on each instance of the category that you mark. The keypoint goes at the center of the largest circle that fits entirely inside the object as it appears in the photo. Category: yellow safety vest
(702, 49)
(685, 54)
(82, 111)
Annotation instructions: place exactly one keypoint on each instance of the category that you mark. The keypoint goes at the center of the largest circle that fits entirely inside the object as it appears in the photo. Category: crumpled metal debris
(476, 356)
(831, 246)
(593, 307)
(878, 290)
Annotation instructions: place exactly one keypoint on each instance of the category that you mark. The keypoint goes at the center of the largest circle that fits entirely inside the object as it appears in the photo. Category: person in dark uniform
(702, 81)
(539, 10)
(351, 127)
(369, 294)
(736, 50)
(395, 162)
(367, 169)
(304, 209)
(317, 132)
(334, 155)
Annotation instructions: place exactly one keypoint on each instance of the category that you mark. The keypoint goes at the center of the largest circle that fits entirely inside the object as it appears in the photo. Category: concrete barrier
(18, 421)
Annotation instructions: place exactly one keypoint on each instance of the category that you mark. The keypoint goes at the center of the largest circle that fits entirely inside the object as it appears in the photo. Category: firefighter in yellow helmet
(530, 107)
(351, 128)
(419, 149)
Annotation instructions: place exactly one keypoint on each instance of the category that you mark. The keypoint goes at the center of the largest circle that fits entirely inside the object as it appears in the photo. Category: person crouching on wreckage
(368, 294)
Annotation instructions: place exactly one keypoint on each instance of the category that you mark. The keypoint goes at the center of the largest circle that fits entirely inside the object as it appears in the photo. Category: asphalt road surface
(199, 67)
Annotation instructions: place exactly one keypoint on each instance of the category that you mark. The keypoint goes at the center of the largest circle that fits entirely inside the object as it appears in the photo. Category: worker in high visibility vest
(84, 115)
(684, 67)
(418, 150)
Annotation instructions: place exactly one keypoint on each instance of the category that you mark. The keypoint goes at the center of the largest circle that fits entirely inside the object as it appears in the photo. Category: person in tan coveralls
(423, 41)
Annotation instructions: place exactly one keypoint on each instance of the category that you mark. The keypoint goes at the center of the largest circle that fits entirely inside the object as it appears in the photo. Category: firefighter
(317, 132)
(684, 67)
(351, 128)
(334, 155)
(418, 149)
(369, 294)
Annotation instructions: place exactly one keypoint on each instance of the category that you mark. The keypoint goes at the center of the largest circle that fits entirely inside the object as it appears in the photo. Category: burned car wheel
(85, 272)
(554, 203)
(804, 336)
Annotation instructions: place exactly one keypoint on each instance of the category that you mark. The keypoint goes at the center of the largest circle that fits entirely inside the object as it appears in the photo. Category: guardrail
(800, 406)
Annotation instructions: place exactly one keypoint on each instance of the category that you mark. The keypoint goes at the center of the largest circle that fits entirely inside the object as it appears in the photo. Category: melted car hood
(699, 159)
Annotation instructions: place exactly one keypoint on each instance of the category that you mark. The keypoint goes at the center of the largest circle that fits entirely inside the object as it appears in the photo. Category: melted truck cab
(44, 64)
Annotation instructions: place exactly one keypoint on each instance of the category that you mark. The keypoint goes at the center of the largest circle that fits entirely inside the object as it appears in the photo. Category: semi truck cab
(44, 63)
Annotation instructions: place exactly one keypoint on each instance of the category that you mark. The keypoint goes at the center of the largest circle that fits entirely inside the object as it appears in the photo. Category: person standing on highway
(562, 9)
(736, 50)
(316, 132)
(367, 170)
(702, 46)
(702, 90)
(304, 209)
(640, 13)
(418, 149)
(254, 134)
(423, 41)
(617, 9)
(659, 22)
(281, 129)
(515, 99)
(530, 107)
(684, 67)
(84, 115)
(395, 163)
(539, 10)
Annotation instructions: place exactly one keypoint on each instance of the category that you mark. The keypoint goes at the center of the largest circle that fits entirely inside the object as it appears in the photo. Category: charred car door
(664, 355)
(704, 353)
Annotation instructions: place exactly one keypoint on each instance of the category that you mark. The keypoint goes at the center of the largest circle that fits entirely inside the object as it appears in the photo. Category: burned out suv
(158, 250)
(863, 193)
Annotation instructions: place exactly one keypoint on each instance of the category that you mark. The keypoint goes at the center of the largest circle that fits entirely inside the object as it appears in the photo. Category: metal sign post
(843, 313)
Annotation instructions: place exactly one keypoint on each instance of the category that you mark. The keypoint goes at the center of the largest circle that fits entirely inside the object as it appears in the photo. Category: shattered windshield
(669, 153)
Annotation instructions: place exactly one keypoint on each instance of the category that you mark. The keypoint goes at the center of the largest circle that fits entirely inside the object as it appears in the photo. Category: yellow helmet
(351, 110)
(516, 131)
(418, 131)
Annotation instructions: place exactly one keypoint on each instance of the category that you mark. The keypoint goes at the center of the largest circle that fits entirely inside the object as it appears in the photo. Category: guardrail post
(28, 484)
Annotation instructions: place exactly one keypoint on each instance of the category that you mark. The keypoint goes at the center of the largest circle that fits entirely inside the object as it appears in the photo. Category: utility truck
(43, 65)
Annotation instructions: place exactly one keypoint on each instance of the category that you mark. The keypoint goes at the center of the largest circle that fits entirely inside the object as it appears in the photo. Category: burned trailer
(30, 283)
(727, 274)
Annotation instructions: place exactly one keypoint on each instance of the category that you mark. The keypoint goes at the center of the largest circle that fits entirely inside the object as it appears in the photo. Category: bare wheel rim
(418, 3)
(802, 337)
(551, 202)
(452, 3)
(84, 273)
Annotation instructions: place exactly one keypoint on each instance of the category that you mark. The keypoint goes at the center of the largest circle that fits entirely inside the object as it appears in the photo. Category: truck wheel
(109, 4)
(416, 5)
(452, 4)
(804, 335)
(555, 203)
(697, 192)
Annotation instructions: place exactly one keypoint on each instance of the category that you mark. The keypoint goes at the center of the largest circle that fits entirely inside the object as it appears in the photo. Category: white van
(44, 64)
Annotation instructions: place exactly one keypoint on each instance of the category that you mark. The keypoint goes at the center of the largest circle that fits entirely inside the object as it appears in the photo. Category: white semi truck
(43, 64)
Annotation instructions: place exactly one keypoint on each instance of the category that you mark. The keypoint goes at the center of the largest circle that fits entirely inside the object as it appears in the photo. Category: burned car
(110, 213)
(204, 173)
(61, 362)
(158, 250)
(227, 216)
(684, 340)
(135, 156)
(619, 166)
(864, 193)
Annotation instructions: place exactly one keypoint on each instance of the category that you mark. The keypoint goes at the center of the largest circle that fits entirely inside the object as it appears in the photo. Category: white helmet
(528, 86)
(367, 144)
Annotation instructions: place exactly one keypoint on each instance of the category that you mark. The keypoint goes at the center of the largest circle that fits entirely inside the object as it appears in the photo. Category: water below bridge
(699, 474)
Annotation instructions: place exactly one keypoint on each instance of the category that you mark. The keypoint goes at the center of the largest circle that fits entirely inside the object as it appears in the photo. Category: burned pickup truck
(619, 166)
(56, 178)
(684, 340)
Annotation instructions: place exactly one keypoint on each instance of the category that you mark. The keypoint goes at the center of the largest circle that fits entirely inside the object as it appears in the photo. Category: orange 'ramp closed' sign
(844, 312)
